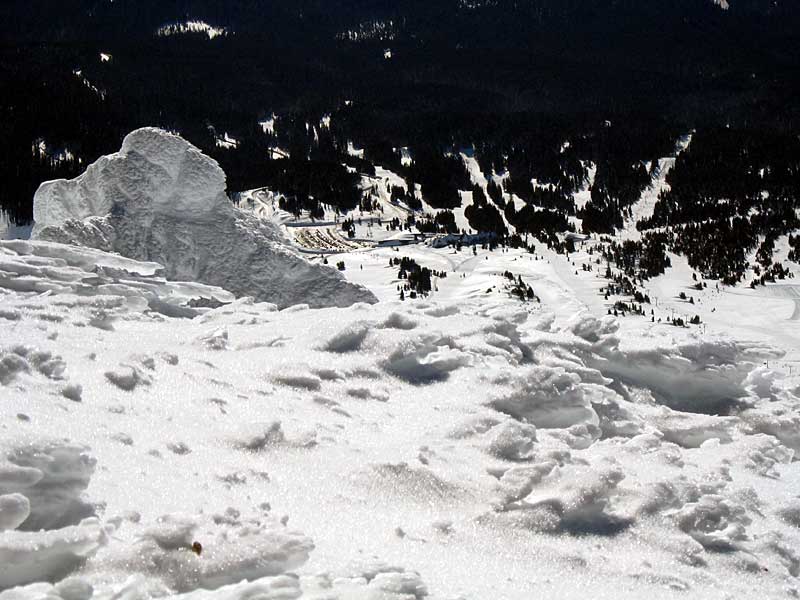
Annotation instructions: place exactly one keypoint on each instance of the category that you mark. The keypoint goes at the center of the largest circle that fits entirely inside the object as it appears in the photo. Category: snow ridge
(159, 199)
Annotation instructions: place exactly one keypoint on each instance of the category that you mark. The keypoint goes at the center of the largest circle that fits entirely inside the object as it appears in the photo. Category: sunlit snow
(192, 26)
(165, 434)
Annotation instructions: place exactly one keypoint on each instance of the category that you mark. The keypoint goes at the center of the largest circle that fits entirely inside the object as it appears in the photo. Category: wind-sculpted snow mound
(160, 199)
(699, 374)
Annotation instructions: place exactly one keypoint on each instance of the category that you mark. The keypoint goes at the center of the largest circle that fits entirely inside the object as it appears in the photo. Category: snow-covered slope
(471, 446)
(162, 438)
(160, 199)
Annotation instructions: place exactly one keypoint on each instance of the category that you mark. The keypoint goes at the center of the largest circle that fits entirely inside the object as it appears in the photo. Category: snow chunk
(47, 555)
(25, 359)
(301, 381)
(363, 393)
(791, 514)
(418, 483)
(349, 339)
(581, 504)
(53, 478)
(692, 431)
(700, 375)
(14, 509)
(172, 532)
(426, 359)
(230, 553)
(590, 328)
(371, 581)
(715, 521)
(13, 477)
(127, 378)
(780, 421)
(762, 382)
(283, 587)
(472, 427)
(160, 199)
(72, 391)
(259, 436)
(398, 320)
(401, 585)
(216, 340)
(549, 398)
(512, 441)
(10, 366)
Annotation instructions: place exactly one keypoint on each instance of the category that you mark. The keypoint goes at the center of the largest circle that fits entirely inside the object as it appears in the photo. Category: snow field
(403, 437)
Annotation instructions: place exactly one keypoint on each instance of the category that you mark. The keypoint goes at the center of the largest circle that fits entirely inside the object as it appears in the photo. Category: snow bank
(47, 555)
(233, 550)
(710, 375)
(160, 199)
(52, 477)
(105, 280)
(580, 501)
(47, 529)
(551, 398)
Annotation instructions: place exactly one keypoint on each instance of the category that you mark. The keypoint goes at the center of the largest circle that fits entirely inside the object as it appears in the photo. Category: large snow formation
(160, 199)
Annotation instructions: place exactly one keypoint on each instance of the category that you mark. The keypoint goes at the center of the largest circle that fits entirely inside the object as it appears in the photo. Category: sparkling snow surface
(464, 446)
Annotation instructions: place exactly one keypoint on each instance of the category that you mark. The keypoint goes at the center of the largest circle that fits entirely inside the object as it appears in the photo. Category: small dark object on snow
(197, 548)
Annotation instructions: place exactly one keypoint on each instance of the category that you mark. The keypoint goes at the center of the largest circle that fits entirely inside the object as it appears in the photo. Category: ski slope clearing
(643, 209)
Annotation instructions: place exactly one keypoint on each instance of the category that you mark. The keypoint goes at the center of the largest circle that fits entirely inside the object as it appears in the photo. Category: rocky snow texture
(484, 449)
(160, 199)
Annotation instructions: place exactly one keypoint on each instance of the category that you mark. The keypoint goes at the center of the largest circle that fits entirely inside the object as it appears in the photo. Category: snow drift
(160, 199)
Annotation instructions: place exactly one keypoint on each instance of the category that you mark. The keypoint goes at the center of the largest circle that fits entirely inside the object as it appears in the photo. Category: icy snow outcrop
(160, 199)
(44, 532)
(47, 555)
(580, 501)
(232, 551)
(549, 398)
(714, 521)
(14, 509)
(99, 279)
(699, 375)
(53, 477)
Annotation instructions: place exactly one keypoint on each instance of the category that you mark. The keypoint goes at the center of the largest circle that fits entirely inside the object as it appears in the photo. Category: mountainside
(393, 75)
(399, 299)
(489, 429)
